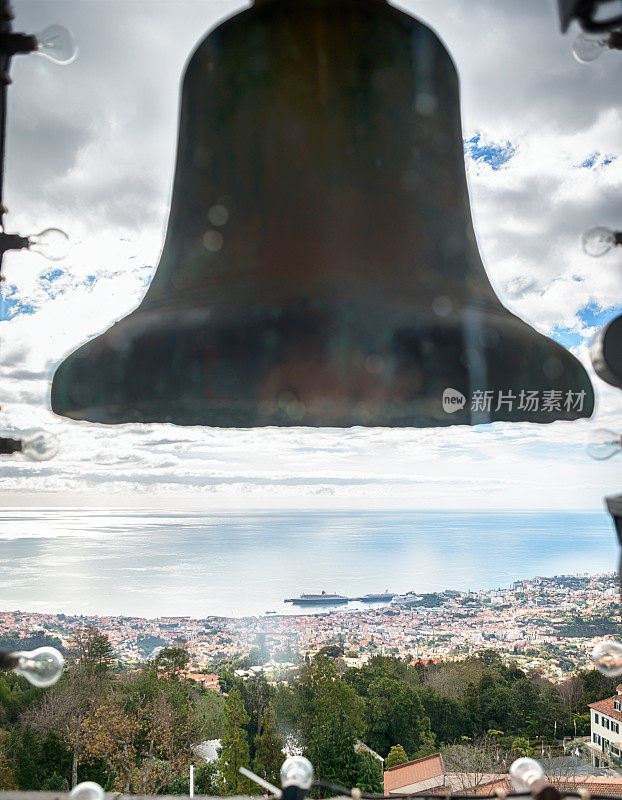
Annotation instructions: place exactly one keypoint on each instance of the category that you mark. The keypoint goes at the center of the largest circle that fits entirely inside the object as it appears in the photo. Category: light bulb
(87, 790)
(42, 667)
(39, 445)
(52, 243)
(57, 43)
(523, 772)
(597, 241)
(297, 771)
(603, 444)
(607, 656)
(588, 48)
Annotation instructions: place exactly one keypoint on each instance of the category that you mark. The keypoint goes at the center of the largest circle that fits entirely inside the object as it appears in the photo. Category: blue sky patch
(592, 316)
(597, 160)
(11, 306)
(51, 275)
(496, 155)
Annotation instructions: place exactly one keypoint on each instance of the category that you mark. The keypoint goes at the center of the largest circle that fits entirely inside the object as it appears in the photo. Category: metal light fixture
(599, 240)
(87, 790)
(606, 352)
(588, 13)
(296, 779)
(527, 776)
(601, 32)
(41, 667)
(603, 444)
(36, 445)
(57, 44)
(320, 265)
(607, 657)
(589, 47)
(524, 772)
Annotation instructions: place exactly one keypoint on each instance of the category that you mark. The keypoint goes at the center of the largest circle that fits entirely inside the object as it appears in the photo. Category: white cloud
(91, 149)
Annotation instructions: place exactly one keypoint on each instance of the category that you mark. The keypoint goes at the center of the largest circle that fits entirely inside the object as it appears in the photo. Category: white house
(606, 721)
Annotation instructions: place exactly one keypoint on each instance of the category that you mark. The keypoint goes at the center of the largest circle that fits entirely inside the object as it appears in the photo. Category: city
(545, 624)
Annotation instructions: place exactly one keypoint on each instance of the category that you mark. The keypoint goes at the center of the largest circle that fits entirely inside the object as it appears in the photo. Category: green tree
(397, 755)
(55, 783)
(235, 751)
(449, 718)
(7, 777)
(16, 696)
(205, 780)
(287, 707)
(369, 777)
(382, 667)
(92, 651)
(522, 747)
(63, 709)
(395, 715)
(145, 741)
(227, 679)
(268, 749)
(24, 753)
(55, 760)
(171, 661)
(330, 748)
(320, 691)
(597, 686)
(257, 695)
(259, 654)
(208, 711)
(330, 651)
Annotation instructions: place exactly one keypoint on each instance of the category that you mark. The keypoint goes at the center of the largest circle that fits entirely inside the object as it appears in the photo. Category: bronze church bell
(320, 265)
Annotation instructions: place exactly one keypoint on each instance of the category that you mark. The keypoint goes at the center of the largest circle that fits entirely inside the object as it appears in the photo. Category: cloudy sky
(91, 150)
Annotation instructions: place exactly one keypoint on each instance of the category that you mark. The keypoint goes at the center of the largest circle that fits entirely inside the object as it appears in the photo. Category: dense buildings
(546, 624)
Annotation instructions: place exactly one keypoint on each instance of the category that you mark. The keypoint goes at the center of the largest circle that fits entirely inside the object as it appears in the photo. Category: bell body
(320, 265)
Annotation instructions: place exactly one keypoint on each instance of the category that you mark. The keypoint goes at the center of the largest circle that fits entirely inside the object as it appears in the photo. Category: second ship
(327, 599)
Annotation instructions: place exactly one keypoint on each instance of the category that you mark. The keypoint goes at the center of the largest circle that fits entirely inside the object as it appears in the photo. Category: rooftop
(606, 707)
(422, 774)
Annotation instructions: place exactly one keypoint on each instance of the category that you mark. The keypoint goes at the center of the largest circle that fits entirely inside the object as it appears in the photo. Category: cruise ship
(317, 599)
(405, 599)
(376, 598)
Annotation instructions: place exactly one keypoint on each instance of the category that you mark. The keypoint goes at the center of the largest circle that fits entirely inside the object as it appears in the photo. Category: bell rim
(357, 409)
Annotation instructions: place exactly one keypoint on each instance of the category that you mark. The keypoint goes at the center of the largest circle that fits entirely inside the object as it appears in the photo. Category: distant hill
(30, 642)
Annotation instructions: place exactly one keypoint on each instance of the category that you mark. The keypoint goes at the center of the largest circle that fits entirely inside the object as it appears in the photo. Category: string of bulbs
(599, 35)
(526, 775)
(57, 44)
(297, 780)
(41, 667)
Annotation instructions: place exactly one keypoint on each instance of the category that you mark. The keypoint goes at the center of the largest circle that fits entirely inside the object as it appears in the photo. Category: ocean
(99, 562)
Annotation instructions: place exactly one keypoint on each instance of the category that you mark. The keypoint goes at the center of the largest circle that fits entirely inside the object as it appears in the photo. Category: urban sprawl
(548, 624)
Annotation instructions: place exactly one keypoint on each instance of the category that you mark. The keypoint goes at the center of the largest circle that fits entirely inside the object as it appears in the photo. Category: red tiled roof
(421, 769)
(489, 788)
(593, 783)
(606, 707)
